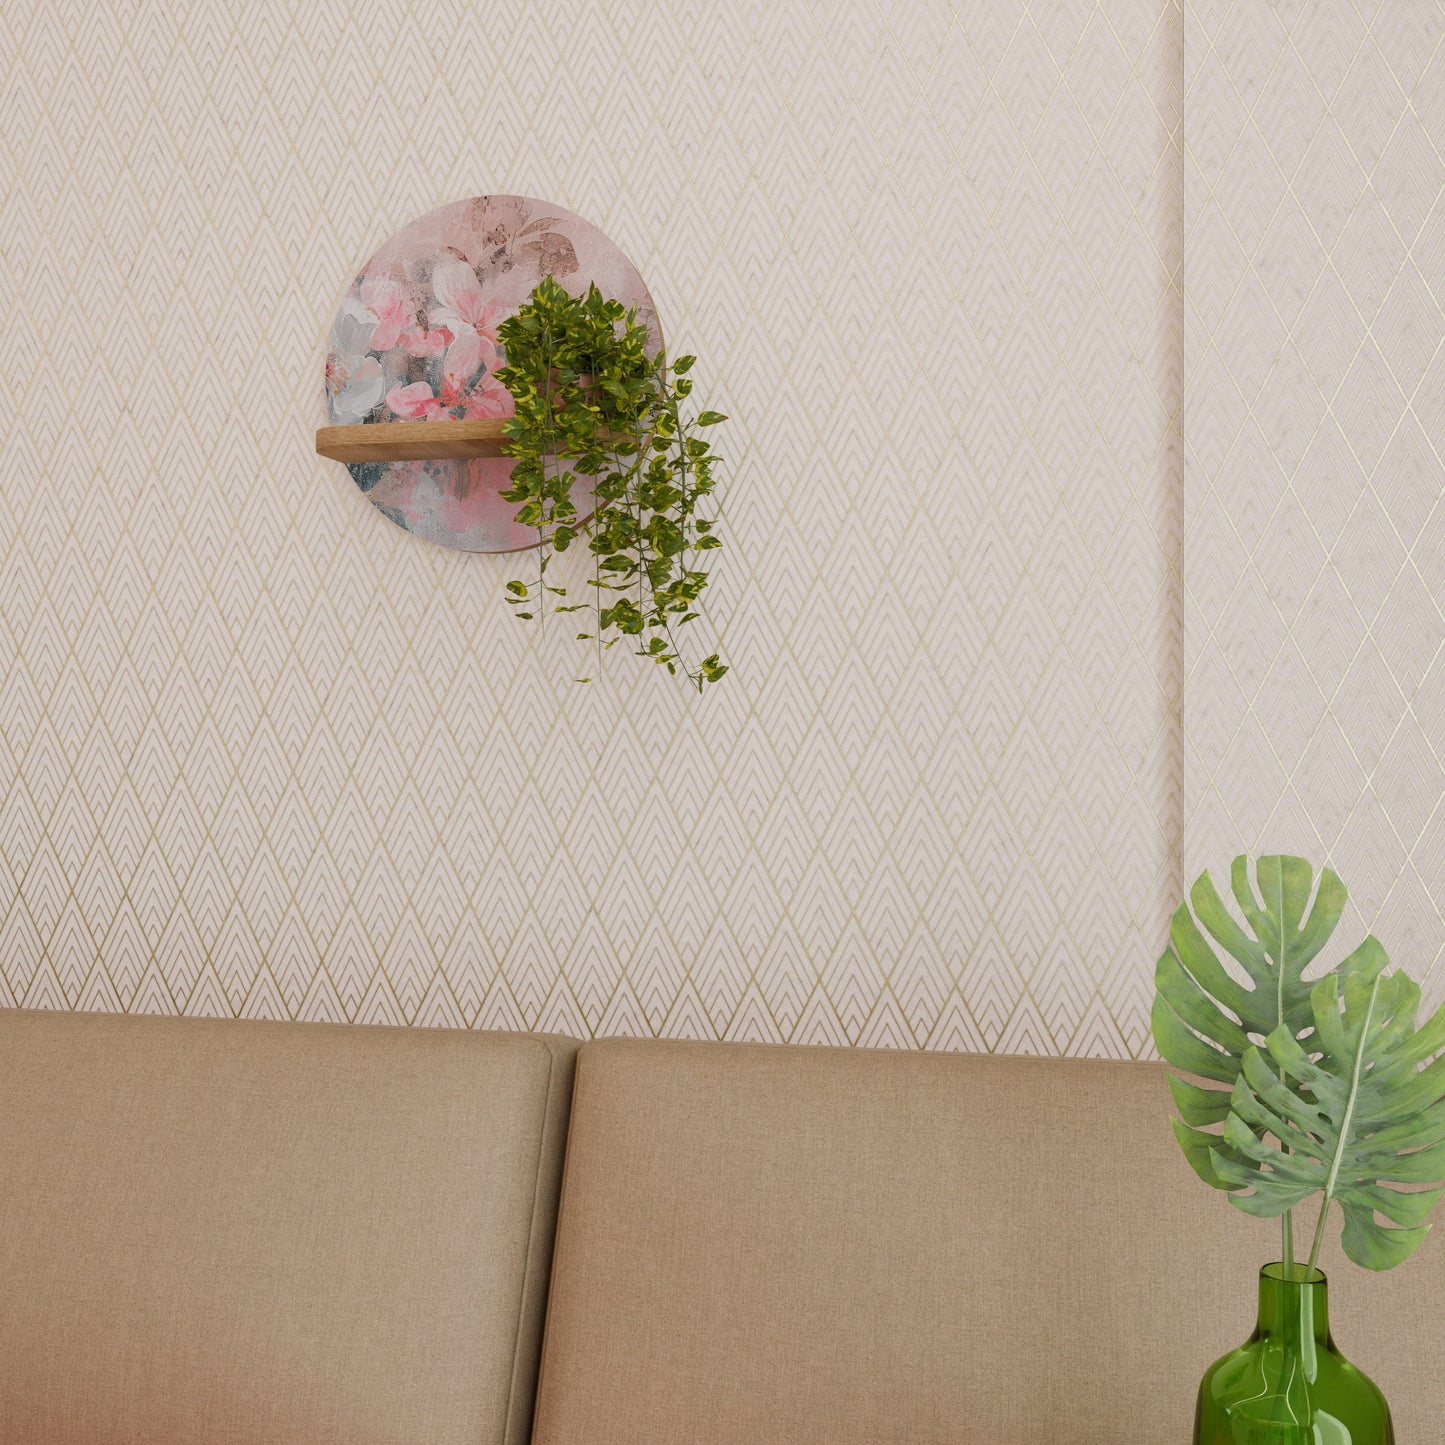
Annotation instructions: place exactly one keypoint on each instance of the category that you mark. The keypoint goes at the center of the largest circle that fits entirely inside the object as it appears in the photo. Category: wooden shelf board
(402, 441)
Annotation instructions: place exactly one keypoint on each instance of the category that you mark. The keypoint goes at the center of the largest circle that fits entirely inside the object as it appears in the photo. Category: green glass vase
(1287, 1384)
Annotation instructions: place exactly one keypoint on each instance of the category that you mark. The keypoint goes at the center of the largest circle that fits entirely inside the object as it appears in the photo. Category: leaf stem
(551, 437)
(1280, 978)
(1355, 1074)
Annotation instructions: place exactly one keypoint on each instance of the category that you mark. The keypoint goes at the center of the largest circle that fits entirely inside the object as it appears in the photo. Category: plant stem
(1355, 1074)
(644, 451)
(682, 478)
(1287, 1219)
(542, 492)
(598, 506)
(1319, 1230)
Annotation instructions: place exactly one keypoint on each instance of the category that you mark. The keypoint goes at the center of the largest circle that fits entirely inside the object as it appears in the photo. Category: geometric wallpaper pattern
(1314, 713)
(261, 753)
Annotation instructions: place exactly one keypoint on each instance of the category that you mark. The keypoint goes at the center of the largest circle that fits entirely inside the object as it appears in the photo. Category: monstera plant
(1316, 1084)
(1293, 1089)
(593, 401)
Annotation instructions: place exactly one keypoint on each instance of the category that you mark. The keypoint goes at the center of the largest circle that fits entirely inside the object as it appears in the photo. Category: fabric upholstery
(239, 1233)
(764, 1243)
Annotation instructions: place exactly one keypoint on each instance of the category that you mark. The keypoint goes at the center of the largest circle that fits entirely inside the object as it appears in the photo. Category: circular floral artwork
(415, 339)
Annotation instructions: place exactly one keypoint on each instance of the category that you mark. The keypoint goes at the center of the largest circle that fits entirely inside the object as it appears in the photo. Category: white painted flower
(360, 393)
(353, 378)
(353, 330)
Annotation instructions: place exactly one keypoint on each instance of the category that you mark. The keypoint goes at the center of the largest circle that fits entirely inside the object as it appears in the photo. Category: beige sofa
(220, 1233)
(232, 1232)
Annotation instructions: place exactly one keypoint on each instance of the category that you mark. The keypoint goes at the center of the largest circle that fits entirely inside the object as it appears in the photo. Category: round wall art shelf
(415, 407)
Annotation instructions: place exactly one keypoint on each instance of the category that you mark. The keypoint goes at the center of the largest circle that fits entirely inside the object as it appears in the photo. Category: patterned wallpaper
(261, 753)
(1314, 714)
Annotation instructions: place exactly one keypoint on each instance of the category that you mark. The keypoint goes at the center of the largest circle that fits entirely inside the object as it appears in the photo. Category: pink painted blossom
(462, 305)
(391, 306)
(418, 342)
(488, 397)
(463, 357)
(415, 401)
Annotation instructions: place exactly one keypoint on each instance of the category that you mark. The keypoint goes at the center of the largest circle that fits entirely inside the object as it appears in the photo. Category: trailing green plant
(1301, 1087)
(592, 401)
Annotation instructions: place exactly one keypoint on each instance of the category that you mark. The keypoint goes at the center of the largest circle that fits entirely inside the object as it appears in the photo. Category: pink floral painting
(415, 339)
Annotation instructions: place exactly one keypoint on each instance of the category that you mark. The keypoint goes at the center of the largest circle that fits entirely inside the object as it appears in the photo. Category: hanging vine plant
(591, 401)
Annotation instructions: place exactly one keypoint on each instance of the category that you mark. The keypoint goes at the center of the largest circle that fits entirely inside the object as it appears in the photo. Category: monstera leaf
(1353, 1109)
(1205, 1019)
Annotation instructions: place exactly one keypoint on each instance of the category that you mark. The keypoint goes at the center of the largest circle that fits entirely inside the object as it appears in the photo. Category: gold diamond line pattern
(1314, 199)
(265, 755)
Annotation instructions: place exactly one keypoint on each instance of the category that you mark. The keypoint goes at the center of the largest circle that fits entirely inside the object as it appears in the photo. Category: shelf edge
(402, 441)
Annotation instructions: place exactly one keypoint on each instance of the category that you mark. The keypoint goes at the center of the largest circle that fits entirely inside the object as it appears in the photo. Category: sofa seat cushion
(817, 1245)
(225, 1231)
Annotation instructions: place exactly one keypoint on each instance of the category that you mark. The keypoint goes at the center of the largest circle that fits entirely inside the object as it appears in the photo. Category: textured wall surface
(262, 753)
(1314, 716)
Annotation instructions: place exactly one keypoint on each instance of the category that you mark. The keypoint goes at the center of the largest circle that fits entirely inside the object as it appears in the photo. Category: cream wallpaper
(1314, 715)
(262, 753)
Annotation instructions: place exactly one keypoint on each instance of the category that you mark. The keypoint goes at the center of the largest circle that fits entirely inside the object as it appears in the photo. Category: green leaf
(1198, 1107)
(1205, 1153)
(1207, 1018)
(1336, 1108)
(1186, 1050)
(710, 418)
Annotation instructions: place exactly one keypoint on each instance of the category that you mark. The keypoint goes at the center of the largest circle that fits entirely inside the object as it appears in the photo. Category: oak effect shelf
(406, 441)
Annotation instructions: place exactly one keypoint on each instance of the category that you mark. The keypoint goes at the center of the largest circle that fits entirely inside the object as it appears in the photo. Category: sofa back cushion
(240, 1232)
(820, 1245)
